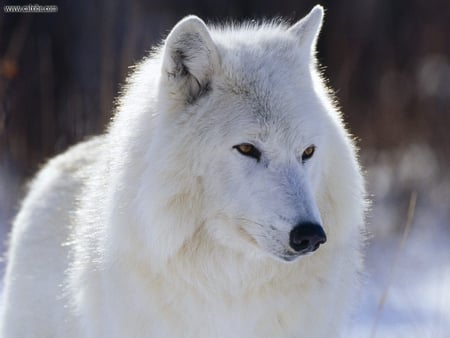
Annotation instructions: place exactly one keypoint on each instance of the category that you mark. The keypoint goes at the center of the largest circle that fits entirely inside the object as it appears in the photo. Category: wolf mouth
(289, 257)
(292, 256)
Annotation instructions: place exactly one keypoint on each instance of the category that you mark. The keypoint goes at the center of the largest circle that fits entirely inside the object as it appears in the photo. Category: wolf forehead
(262, 68)
(254, 58)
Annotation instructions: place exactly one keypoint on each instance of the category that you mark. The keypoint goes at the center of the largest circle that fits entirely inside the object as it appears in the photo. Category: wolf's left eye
(249, 150)
(308, 153)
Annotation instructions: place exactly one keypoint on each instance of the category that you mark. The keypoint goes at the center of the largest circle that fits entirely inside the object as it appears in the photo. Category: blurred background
(389, 62)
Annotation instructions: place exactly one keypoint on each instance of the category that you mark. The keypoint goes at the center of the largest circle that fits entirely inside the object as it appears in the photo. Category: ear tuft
(308, 28)
(190, 57)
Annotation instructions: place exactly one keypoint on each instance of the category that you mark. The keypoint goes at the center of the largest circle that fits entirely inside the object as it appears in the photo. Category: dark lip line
(289, 257)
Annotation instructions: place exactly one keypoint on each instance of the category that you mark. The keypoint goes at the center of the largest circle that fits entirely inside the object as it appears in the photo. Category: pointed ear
(189, 59)
(307, 29)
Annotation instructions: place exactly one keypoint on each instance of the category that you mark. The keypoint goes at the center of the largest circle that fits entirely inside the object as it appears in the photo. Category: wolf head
(242, 140)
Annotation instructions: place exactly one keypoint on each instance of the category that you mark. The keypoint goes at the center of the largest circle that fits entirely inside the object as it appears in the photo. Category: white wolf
(198, 212)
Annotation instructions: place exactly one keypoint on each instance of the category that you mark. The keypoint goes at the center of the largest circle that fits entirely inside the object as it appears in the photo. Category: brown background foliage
(59, 73)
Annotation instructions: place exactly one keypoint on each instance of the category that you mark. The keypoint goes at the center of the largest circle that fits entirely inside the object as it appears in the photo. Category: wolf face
(240, 108)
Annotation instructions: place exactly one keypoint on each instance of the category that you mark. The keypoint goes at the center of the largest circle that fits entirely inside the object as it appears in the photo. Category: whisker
(248, 221)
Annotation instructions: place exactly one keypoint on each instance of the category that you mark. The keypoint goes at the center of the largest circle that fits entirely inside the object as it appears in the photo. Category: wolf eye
(308, 153)
(249, 150)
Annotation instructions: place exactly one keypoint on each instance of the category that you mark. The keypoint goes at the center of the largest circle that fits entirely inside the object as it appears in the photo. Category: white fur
(160, 228)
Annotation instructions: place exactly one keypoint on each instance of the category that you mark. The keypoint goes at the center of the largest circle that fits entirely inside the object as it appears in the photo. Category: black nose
(306, 237)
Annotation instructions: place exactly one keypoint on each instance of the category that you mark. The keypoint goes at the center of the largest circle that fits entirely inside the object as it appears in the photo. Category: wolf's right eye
(249, 150)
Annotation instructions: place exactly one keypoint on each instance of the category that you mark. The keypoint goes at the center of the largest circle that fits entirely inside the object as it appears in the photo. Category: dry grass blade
(409, 219)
